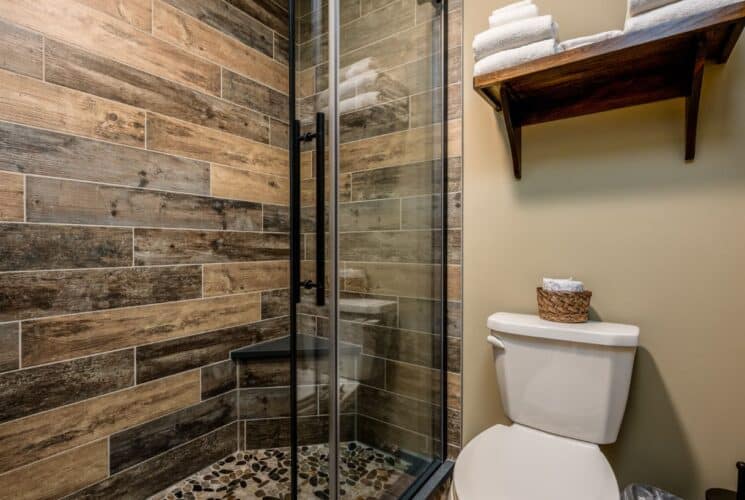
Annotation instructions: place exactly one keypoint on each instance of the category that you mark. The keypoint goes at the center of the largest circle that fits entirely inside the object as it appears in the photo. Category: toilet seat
(519, 463)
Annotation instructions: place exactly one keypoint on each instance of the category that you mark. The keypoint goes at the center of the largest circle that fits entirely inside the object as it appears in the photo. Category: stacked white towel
(516, 34)
(581, 41)
(647, 13)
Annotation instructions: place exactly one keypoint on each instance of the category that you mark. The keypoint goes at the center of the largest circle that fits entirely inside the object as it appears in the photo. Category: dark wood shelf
(663, 62)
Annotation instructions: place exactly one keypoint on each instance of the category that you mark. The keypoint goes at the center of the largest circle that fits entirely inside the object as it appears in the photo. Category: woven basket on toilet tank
(564, 307)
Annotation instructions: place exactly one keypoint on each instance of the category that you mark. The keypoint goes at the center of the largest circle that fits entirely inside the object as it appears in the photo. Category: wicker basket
(564, 307)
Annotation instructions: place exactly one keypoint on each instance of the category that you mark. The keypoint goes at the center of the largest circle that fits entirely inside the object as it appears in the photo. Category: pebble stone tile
(366, 474)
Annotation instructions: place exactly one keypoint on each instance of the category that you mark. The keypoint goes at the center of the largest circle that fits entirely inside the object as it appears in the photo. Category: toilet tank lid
(592, 332)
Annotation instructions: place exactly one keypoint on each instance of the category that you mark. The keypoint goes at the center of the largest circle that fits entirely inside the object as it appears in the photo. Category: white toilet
(565, 388)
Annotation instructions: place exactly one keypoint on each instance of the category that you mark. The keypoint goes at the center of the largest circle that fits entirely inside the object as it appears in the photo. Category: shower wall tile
(9, 346)
(173, 356)
(276, 218)
(390, 246)
(25, 392)
(396, 344)
(56, 247)
(11, 197)
(281, 49)
(425, 107)
(376, 215)
(148, 477)
(41, 152)
(391, 19)
(416, 382)
(271, 402)
(39, 436)
(22, 50)
(162, 246)
(223, 279)
(218, 378)
(264, 373)
(66, 337)
(97, 75)
(374, 120)
(254, 95)
(423, 211)
(47, 293)
(184, 31)
(266, 433)
(137, 444)
(238, 184)
(275, 303)
(407, 413)
(135, 12)
(69, 202)
(31, 102)
(424, 315)
(410, 280)
(268, 12)
(391, 438)
(279, 134)
(59, 475)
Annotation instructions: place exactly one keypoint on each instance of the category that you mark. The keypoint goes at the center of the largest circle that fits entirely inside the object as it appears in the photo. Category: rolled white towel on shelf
(355, 82)
(513, 35)
(562, 285)
(501, 18)
(513, 57)
(637, 7)
(358, 102)
(573, 43)
(673, 12)
(356, 68)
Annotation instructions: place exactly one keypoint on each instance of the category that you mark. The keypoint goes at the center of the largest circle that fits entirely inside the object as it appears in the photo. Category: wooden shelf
(650, 65)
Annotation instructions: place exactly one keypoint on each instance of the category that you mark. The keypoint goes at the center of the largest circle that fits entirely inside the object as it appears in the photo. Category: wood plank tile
(41, 152)
(87, 72)
(184, 31)
(279, 134)
(375, 120)
(267, 12)
(389, 20)
(417, 382)
(376, 215)
(27, 247)
(391, 438)
(425, 107)
(281, 49)
(60, 475)
(22, 50)
(185, 139)
(410, 414)
(423, 212)
(153, 475)
(69, 202)
(11, 197)
(264, 373)
(275, 303)
(159, 246)
(229, 20)
(235, 184)
(135, 12)
(267, 433)
(137, 444)
(9, 346)
(29, 391)
(173, 356)
(218, 378)
(409, 280)
(39, 436)
(66, 337)
(46, 293)
(31, 102)
(254, 95)
(272, 402)
(396, 344)
(221, 279)
(398, 181)
(103, 34)
(390, 246)
(424, 315)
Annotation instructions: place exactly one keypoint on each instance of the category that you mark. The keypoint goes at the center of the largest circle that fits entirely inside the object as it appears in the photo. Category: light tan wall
(608, 199)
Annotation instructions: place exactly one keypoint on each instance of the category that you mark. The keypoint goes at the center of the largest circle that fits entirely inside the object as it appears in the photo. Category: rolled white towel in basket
(673, 11)
(513, 57)
(500, 18)
(513, 35)
(562, 285)
(573, 43)
(637, 7)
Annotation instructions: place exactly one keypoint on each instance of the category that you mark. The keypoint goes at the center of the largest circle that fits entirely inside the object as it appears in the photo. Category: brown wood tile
(59, 475)
(135, 12)
(376, 215)
(69, 202)
(417, 382)
(92, 74)
(185, 31)
(218, 378)
(424, 315)
(410, 414)
(235, 184)
(173, 356)
(221, 279)
(254, 95)
(22, 50)
(418, 212)
(29, 391)
(272, 402)
(185, 139)
(275, 303)
(26, 247)
(101, 33)
(279, 134)
(281, 49)
(396, 344)
(266, 11)
(264, 373)
(390, 246)
(391, 438)
(410, 280)
(47, 293)
(374, 120)
(39, 436)
(389, 20)
(161, 246)
(400, 181)
(276, 218)
(425, 107)
(41, 152)
(31, 102)
(66, 337)
(11, 197)
(8, 346)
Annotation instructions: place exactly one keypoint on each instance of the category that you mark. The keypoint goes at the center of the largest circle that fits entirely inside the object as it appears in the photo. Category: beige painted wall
(661, 243)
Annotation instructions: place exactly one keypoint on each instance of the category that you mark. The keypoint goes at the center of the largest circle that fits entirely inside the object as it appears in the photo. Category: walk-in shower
(224, 249)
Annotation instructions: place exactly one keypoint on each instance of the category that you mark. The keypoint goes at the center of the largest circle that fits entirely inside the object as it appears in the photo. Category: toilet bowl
(565, 387)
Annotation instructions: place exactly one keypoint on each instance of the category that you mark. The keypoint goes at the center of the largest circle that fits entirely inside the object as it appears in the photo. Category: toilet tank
(566, 379)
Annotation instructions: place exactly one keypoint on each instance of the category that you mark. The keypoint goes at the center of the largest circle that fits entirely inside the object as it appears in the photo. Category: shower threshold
(366, 474)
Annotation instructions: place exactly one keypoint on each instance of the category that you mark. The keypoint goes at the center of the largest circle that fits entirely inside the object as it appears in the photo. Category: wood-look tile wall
(143, 234)
(390, 206)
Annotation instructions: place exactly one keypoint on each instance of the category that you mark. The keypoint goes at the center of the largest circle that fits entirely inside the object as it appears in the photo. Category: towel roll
(573, 43)
(673, 12)
(562, 285)
(510, 15)
(637, 7)
(358, 102)
(356, 68)
(513, 35)
(513, 57)
(513, 5)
